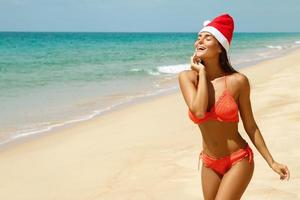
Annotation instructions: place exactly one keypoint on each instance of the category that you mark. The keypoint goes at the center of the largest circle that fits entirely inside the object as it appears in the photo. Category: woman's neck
(213, 69)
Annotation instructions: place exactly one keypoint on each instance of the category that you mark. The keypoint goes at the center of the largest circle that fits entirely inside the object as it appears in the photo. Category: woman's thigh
(236, 180)
(210, 182)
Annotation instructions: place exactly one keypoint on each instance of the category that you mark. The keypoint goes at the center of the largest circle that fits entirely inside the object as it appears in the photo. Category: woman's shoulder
(241, 80)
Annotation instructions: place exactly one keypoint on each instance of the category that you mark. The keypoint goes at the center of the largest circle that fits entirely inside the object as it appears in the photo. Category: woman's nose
(199, 41)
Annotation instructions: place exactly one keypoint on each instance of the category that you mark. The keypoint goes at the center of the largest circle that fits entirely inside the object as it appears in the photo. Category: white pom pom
(206, 22)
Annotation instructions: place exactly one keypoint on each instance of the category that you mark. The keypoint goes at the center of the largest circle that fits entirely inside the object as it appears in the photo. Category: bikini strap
(225, 82)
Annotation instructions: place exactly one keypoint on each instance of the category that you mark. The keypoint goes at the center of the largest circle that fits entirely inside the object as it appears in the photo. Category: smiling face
(207, 46)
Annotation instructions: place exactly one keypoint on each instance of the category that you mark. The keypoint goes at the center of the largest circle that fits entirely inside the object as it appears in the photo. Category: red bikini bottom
(222, 165)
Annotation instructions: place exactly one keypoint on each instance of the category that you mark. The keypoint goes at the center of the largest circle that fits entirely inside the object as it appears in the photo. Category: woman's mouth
(201, 48)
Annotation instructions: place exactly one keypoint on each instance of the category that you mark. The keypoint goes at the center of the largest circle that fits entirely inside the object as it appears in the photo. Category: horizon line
(139, 32)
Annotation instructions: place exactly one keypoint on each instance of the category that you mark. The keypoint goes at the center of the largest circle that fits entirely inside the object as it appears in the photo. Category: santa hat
(222, 28)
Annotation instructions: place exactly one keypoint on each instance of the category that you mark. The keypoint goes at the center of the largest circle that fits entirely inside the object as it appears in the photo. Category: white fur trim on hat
(218, 35)
(206, 22)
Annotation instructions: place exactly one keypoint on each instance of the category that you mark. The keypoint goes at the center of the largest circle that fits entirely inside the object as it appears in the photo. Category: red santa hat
(222, 28)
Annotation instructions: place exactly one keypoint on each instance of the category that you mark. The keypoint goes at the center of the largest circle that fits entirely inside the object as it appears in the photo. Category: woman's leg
(236, 180)
(210, 183)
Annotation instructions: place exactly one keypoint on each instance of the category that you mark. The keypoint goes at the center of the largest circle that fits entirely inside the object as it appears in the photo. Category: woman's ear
(219, 49)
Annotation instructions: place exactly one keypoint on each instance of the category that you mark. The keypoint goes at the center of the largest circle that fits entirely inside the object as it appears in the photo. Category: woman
(214, 93)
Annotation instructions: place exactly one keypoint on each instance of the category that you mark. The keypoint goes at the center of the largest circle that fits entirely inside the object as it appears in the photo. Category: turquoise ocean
(49, 80)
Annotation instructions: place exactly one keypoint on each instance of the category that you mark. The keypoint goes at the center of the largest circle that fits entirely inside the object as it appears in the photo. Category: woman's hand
(282, 170)
(196, 63)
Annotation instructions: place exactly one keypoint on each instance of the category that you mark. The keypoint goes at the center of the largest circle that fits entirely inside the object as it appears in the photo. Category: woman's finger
(194, 67)
(279, 171)
(195, 58)
(284, 174)
(287, 172)
(193, 61)
(281, 174)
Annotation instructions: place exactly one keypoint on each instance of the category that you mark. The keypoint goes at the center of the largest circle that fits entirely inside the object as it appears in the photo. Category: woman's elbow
(197, 113)
(200, 115)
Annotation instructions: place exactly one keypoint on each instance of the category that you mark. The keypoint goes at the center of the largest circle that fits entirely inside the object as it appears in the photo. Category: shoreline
(123, 105)
(55, 130)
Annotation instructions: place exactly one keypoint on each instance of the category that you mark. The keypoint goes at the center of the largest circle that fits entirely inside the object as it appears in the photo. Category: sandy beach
(150, 150)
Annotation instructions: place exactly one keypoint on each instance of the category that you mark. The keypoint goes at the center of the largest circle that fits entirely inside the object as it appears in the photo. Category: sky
(146, 16)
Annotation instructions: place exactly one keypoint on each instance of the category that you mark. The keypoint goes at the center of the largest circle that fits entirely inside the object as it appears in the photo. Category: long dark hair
(225, 64)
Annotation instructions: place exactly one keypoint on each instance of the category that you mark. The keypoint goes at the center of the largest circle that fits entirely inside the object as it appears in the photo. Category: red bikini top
(225, 109)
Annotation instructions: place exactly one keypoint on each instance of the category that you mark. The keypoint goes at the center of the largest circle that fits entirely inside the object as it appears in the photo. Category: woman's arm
(252, 129)
(196, 98)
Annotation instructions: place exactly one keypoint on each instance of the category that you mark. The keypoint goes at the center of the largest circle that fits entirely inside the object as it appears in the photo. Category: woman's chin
(199, 54)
